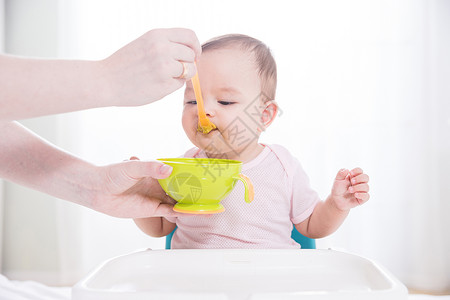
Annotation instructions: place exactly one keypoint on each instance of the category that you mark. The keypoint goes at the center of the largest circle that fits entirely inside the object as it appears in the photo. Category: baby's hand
(350, 189)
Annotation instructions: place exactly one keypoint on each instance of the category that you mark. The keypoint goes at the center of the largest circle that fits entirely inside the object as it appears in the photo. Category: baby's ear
(268, 114)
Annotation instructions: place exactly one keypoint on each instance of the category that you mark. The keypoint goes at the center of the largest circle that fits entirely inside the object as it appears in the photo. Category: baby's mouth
(210, 132)
(206, 129)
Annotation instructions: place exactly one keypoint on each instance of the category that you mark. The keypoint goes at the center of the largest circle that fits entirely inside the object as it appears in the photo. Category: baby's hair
(267, 67)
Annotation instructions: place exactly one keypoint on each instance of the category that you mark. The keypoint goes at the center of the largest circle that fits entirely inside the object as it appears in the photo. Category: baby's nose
(209, 108)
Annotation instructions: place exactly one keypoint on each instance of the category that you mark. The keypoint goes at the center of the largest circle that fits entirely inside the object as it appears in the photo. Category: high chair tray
(238, 275)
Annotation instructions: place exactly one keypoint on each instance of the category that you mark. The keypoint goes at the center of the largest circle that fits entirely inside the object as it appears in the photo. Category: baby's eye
(191, 102)
(223, 102)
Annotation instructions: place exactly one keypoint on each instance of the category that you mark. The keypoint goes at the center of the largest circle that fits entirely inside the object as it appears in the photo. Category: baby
(238, 78)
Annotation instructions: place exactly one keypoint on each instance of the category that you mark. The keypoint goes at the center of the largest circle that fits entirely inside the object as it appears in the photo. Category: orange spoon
(204, 124)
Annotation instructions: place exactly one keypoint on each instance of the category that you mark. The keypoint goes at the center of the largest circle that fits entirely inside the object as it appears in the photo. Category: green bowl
(199, 184)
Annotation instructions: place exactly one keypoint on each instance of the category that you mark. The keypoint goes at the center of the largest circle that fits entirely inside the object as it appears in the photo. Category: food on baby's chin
(206, 129)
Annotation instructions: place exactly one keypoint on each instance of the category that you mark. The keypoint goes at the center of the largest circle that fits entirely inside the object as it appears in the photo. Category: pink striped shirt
(282, 197)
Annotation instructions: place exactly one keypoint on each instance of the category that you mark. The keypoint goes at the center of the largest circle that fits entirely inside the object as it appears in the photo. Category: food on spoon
(204, 124)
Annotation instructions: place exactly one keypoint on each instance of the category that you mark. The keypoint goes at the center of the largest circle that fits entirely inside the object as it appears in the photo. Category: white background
(2, 31)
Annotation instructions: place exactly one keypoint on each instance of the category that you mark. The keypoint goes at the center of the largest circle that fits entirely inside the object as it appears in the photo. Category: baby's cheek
(187, 122)
(249, 123)
(189, 114)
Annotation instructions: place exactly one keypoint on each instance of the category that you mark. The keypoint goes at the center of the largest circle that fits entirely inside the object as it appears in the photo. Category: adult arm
(141, 72)
(127, 189)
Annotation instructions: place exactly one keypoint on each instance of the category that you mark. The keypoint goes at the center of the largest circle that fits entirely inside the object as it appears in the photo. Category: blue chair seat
(305, 242)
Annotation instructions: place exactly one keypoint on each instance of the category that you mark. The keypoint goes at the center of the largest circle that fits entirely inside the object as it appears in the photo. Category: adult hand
(130, 189)
(152, 66)
(147, 69)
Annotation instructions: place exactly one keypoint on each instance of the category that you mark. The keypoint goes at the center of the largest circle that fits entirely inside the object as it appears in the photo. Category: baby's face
(231, 90)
